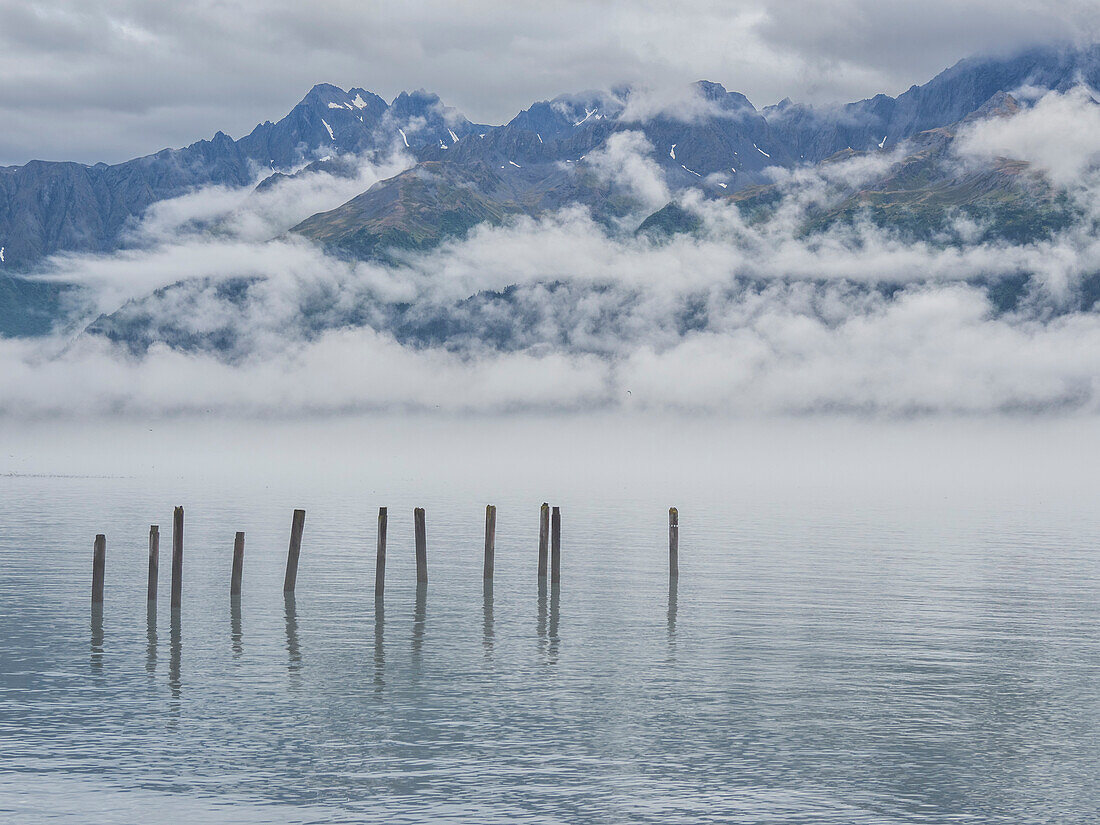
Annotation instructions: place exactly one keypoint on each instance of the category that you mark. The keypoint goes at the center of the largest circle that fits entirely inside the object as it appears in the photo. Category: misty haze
(567, 414)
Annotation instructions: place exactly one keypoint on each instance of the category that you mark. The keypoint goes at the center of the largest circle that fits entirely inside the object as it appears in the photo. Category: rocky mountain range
(464, 174)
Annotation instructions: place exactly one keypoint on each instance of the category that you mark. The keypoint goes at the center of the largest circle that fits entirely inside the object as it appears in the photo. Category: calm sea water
(872, 625)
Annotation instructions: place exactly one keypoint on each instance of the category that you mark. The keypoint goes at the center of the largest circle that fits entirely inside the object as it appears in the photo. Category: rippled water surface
(881, 626)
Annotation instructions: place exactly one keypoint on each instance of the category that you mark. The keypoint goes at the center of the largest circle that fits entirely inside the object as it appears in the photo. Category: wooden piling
(99, 563)
(380, 556)
(296, 526)
(154, 563)
(238, 565)
(555, 546)
(421, 546)
(177, 558)
(544, 538)
(673, 543)
(490, 540)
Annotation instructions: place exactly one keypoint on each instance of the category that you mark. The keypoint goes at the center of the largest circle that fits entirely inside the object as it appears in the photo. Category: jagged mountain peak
(717, 93)
(417, 97)
(1002, 104)
(357, 100)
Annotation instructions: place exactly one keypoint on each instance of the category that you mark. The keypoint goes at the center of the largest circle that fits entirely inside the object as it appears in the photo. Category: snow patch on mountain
(587, 115)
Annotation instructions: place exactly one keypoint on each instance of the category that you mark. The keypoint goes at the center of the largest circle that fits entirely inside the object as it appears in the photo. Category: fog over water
(643, 454)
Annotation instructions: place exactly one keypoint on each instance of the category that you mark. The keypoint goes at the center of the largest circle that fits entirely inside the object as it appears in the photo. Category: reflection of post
(673, 585)
(235, 626)
(99, 562)
(419, 619)
(544, 538)
(379, 645)
(542, 613)
(175, 654)
(487, 615)
(555, 593)
(97, 636)
(294, 653)
(151, 637)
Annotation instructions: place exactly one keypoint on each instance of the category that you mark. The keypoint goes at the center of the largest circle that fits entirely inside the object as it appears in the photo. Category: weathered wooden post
(673, 543)
(154, 562)
(490, 540)
(177, 558)
(421, 546)
(380, 556)
(296, 525)
(544, 538)
(99, 563)
(238, 565)
(555, 546)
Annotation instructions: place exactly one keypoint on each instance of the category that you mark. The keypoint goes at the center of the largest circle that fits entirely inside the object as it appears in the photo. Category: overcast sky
(92, 80)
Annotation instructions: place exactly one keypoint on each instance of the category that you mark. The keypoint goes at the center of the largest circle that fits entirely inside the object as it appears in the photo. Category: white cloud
(219, 232)
(683, 102)
(626, 161)
(1059, 134)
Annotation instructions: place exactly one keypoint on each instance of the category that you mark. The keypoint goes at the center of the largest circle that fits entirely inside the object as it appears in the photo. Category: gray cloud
(111, 79)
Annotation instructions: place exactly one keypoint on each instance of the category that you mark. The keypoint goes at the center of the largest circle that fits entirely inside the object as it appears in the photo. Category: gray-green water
(873, 624)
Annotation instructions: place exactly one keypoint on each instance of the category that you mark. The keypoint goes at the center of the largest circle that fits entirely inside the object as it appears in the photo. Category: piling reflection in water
(97, 636)
(175, 654)
(555, 598)
(151, 637)
(487, 617)
(379, 645)
(293, 649)
(542, 615)
(236, 630)
(420, 614)
(673, 587)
